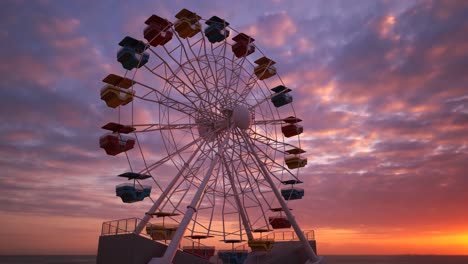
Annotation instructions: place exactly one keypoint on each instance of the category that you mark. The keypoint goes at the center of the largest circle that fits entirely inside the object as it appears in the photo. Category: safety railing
(288, 235)
(127, 226)
(279, 236)
(118, 227)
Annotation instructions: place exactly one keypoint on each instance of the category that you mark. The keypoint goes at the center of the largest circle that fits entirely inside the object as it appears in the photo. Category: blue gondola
(283, 98)
(134, 175)
(292, 193)
(132, 54)
(133, 192)
(216, 30)
(129, 193)
(233, 257)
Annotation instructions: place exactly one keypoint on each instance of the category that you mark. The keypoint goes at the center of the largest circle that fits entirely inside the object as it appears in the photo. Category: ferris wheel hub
(242, 117)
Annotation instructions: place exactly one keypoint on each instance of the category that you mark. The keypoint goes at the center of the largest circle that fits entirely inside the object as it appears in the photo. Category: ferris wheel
(218, 108)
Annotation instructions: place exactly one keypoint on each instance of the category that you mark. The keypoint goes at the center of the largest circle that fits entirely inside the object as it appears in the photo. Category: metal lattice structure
(226, 123)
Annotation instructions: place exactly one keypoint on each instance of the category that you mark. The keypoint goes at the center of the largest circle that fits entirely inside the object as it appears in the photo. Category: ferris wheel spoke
(189, 177)
(249, 171)
(175, 84)
(269, 122)
(262, 101)
(270, 142)
(173, 74)
(167, 101)
(222, 54)
(213, 69)
(168, 157)
(243, 157)
(245, 88)
(157, 127)
(280, 167)
(145, 163)
(272, 161)
(192, 208)
(165, 193)
(204, 92)
(228, 86)
(255, 192)
(240, 207)
(192, 76)
(212, 206)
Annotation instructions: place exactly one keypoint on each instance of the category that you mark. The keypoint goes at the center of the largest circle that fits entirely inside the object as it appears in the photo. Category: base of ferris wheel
(119, 244)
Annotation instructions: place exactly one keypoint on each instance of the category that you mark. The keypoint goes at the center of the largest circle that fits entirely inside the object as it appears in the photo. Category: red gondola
(292, 130)
(279, 222)
(243, 46)
(205, 252)
(114, 143)
(157, 32)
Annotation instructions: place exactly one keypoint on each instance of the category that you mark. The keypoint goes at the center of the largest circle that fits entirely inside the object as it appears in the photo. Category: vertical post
(161, 198)
(309, 251)
(191, 209)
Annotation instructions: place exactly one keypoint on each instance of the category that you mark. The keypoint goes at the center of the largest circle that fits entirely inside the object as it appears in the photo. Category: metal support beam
(309, 251)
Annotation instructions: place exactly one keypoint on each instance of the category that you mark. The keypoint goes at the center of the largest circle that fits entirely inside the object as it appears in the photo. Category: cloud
(273, 30)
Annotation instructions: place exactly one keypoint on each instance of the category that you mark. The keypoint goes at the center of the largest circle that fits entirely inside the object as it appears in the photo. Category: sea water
(400, 259)
(68, 259)
(403, 259)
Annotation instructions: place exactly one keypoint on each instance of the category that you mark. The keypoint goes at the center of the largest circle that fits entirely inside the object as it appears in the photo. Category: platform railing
(279, 236)
(127, 226)
(288, 235)
(118, 227)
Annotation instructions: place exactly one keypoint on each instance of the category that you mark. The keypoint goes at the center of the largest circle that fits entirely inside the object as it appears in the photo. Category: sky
(381, 87)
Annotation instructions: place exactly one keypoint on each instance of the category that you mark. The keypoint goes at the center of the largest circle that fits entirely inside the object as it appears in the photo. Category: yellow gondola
(116, 92)
(265, 68)
(187, 24)
(161, 232)
(261, 244)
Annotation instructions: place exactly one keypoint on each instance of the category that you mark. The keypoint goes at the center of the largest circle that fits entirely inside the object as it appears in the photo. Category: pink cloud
(70, 44)
(273, 30)
(58, 26)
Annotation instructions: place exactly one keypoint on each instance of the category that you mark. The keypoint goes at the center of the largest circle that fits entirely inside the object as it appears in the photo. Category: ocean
(400, 259)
